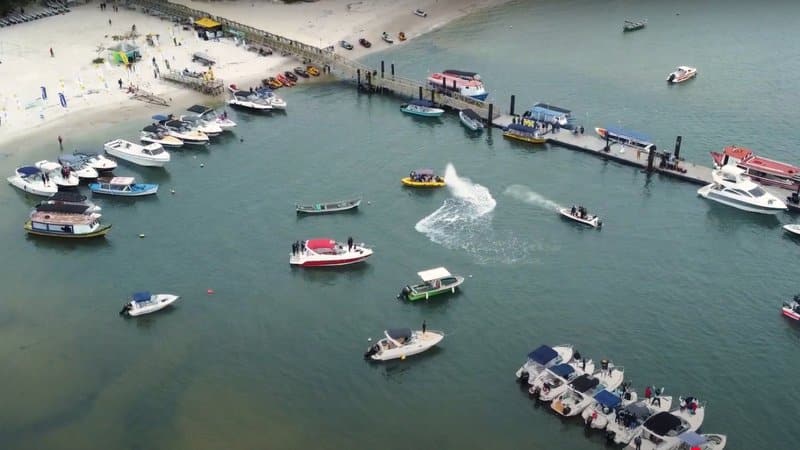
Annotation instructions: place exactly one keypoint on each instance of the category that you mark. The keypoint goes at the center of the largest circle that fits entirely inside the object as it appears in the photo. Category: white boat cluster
(574, 385)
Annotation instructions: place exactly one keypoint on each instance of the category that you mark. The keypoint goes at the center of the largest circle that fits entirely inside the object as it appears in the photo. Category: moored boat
(421, 13)
(543, 357)
(207, 127)
(145, 303)
(346, 45)
(31, 180)
(269, 96)
(61, 175)
(327, 207)
(301, 71)
(524, 133)
(470, 119)
(791, 308)
(424, 108)
(150, 155)
(313, 70)
(580, 215)
(97, 161)
(554, 381)
(248, 100)
(122, 186)
(623, 424)
(401, 36)
(365, 43)
(732, 188)
(326, 252)
(403, 342)
(153, 134)
(693, 441)
(79, 166)
(580, 392)
(423, 178)
(759, 169)
(70, 198)
(290, 75)
(634, 24)
(661, 430)
(434, 282)
(681, 74)
(386, 38)
(182, 130)
(626, 137)
(66, 225)
(210, 115)
(450, 82)
(792, 228)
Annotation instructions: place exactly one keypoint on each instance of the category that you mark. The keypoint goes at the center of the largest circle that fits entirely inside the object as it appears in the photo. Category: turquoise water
(682, 293)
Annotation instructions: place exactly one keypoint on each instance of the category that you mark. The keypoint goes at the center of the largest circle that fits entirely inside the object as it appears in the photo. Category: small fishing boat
(150, 155)
(791, 308)
(401, 36)
(210, 115)
(31, 180)
(732, 188)
(626, 137)
(145, 303)
(423, 178)
(327, 207)
(313, 70)
(543, 357)
(524, 133)
(681, 74)
(661, 430)
(580, 215)
(424, 108)
(386, 38)
(402, 342)
(62, 176)
(274, 83)
(153, 134)
(66, 225)
(346, 45)
(284, 81)
(634, 24)
(97, 161)
(470, 119)
(79, 166)
(301, 72)
(434, 282)
(123, 186)
(420, 13)
(325, 252)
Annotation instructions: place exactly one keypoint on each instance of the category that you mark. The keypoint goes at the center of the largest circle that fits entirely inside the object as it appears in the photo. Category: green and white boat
(423, 108)
(434, 282)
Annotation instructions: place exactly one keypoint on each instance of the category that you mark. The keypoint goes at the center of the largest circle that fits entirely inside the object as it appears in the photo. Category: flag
(44, 93)
(62, 99)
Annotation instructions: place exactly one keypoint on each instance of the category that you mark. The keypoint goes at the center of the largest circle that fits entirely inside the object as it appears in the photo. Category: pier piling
(607, 148)
(491, 114)
(392, 70)
(678, 146)
(358, 78)
(382, 69)
(420, 92)
(432, 93)
(651, 156)
(513, 98)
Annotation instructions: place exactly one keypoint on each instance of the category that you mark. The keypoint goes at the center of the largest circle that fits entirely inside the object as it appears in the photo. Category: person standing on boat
(648, 392)
(294, 248)
(350, 243)
(424, 327)
(638, 442)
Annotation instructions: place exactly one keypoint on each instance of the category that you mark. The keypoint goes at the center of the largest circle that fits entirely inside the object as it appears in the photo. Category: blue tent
(692, 439)
(562, 370)
(140, 297)
(542, 355)
(607, 399)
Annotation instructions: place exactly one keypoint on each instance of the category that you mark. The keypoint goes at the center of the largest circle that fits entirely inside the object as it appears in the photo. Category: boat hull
(792, 228)
(140, 160)
(31, 188)
(102, 231)
(327, 208)
(472, 125)
(94, 187)
(528, 139)
(333, 262)
(431, 112)
(593, 222)
(407, 181)
(788, 312)
(162, 301)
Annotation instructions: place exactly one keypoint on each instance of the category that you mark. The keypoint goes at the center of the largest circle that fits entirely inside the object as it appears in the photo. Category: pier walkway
(206, 86)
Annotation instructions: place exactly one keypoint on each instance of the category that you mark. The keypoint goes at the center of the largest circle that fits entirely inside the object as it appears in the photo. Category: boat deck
(57, 218)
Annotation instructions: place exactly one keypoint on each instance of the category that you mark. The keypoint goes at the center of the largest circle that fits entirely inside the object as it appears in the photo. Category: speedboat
(732, 188)
(150, 155)
(606, 404)
(123, 186)
(66, 225)
(420, 13)
(624, 424)
(79, 166)
(182, 130)
(423, 178)
(209, 128)
(759, 169)
(210, 115)
(268, 95)
(70, 199)
(633, 25)
(290, 75)
(470, 119)
(325, 252)
(434, 282)
(30, 179)
(524, 133)
(248, 100)
(662, 429)
(402, 342)
(554, 381)
(580, 391)
(451, 82)
(580, 215)
(793, 228)
(693, 441)
(386, 38)
(365, 43)
(97, 161)
(301, 71)
(791, 308)
(153, 134)
(681, 74)
(542, 358)
(146, 303)
(61, 175)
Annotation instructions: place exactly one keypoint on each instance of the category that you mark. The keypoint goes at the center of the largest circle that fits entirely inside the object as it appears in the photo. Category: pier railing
(330, 61)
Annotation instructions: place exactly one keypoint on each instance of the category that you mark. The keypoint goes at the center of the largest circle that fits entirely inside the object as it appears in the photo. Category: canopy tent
(543, 355)
(433, 274)
(562, 370)
(630, 135)
(121, 181)
(208, 24)
(140, 297)
(125, 52)
(607, 399)
(28, 171)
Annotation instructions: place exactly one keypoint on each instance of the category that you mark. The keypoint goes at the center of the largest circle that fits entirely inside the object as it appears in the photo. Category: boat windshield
(757, 191)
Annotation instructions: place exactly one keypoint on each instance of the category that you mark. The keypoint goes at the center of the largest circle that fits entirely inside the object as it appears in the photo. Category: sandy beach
(92, 91)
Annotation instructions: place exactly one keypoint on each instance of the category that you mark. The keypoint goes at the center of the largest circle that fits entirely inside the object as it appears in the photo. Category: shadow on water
(420, 192)
(148, 321)
(67, 244)
(727, 218)
(439, 302)
(517, 145)
(427, 121)
(395, 368)
(328, 275)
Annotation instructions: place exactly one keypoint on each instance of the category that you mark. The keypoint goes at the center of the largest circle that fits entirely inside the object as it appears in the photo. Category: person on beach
(52, 55)
(120, 83)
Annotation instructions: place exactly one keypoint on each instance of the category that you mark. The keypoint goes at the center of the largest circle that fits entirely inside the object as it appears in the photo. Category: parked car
(420, 13)
(346, 45)
(365, 43)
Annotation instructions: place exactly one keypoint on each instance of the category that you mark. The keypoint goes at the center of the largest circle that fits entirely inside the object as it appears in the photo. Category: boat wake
(464, 222)
(526, 195)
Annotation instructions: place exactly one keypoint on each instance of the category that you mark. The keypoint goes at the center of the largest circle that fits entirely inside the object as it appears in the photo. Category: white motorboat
(146, 303)
(153, 134)
(542, 358)
(793, 228)
(68, 200)
(30, 179)
(402, 342)
(554, 381)
(694, 441)
(661, 430)
(325, 252)
(681, 74)
(732, 188)
(386, 38)
(248, 100)
(80, 166)
(269, 96)
(97, 161)
(182, 130)
(580, 215)
(61, 175)
(210, 115)
(580, 391)
(150, 155)
(470, 119)
(606, 405)
(211, 129)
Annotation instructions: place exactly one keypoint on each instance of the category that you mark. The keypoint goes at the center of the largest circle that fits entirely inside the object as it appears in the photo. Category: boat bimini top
(433, 274)
(543, 355)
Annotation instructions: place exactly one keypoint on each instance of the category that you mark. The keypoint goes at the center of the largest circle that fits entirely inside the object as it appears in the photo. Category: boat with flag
(626, 137)
(759, 169)
(326, 252)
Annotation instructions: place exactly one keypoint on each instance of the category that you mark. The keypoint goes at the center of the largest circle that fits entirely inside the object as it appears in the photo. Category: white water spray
(525, 194)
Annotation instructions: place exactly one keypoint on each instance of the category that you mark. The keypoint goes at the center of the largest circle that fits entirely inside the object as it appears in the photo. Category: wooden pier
(206, 86)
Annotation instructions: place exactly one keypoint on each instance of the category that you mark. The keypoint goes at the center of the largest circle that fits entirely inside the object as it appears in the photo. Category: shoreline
(94, 99)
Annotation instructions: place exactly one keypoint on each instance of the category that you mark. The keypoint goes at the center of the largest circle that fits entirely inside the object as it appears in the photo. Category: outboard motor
(604, 365)
(671, 77)
(125, 309)
(577, 356)
(371, 351)
(524, 376)
(404, 293)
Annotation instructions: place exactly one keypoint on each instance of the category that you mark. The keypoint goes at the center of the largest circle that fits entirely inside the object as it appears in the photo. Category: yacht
(661, 430)
(274, 101)
(30, 179)
(681, 74)
(731, 187)
(248, 100)
(326, 252)
(97, 161)
(210, 115)
(580, 392)
(150, 155)
(554, 381)
(59, 174)
(402, 342)
(182, 130)
(541, 358)
(78, 165)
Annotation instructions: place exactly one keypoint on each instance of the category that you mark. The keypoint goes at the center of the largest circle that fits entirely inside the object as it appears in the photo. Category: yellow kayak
(409, 182)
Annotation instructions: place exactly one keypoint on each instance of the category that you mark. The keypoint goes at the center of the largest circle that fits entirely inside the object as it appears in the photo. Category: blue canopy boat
(542, 112)
(123, 186)
(626, 137)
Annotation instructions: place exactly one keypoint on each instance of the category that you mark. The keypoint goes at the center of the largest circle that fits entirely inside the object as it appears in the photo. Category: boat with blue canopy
(542, 112)
(524, 133)
(692, 440)
(33, 181)
(425, 108)
(543, 357)
(145, 303)
(580, 392)
(626, 137)
(606, 403)
(553, 381)
(123, 186)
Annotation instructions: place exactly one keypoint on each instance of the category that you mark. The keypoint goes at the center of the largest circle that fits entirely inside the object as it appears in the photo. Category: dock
(204, 85)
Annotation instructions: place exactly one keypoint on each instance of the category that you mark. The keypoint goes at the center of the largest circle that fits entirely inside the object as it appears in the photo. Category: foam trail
(526, 195)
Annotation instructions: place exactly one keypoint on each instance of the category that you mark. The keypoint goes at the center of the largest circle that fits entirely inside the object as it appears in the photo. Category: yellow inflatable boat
(423, 178)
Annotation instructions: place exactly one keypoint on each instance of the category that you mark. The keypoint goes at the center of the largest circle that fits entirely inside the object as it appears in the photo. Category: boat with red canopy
(761, 170)
(326, 252)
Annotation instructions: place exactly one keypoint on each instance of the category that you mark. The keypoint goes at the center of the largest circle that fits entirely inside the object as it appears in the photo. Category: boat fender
(610, 436)
(566, 410)
(453, 290)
